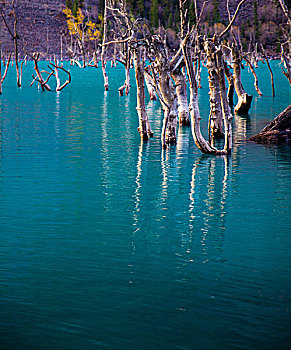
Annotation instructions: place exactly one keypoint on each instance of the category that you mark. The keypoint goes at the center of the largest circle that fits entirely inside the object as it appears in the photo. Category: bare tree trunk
(256, 83)
(229, 78)
(150, 85)
(170, 109)
(216, 119)
(181, 91)
(103, 52)
(202, 144)
(244, 100)
(144, 127)
(278, 131)
(271, 73)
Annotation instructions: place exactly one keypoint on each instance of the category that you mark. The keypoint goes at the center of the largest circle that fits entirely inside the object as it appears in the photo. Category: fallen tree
(278, 131)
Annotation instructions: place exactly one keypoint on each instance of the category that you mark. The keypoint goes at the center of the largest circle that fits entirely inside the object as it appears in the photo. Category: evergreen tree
(192, 16)
(140, 7)
(256, 21)
(216, 14)
(69, 4)
(154, 13)
(75, 8)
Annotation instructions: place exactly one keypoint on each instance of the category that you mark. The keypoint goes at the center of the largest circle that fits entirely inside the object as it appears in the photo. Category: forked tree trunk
(244, 100)
(201, 143)
(181, 91)
(144, 125)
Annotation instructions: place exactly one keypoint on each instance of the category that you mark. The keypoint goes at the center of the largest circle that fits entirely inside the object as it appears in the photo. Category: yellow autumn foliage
(79, 27)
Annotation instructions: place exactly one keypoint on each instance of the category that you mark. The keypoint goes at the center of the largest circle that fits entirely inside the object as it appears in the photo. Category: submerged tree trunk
(150, 85)
(229, 78)
(244, 100)
(215, 118)
(144, 125)
(278, 131)
(202, 144)
(181, 91)
(103, 51)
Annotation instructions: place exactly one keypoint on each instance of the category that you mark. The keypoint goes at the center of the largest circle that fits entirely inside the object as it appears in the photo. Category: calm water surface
(110, 243)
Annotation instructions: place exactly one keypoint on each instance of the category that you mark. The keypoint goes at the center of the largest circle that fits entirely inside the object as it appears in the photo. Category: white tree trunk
(244, 100)
(144, 126)
(181, 91)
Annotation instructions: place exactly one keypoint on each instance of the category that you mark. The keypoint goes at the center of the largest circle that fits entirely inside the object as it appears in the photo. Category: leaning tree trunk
(278, 131)
(181, 91)
(244, 100)
(144, 125)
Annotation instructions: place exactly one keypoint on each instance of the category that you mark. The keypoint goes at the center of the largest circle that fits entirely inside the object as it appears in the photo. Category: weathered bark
(15, 36)
(103, 51)
(2, 78)
(202, 144)
(229, 78)
(170, 109)
(271, 73)
(126, 64)
(144, 126)
(287, 64)
(167, 93)
(43, 83)
(181, 91)
(215, 117)
(150, 85)
(256, 83)
(244, 100)
(277, 131)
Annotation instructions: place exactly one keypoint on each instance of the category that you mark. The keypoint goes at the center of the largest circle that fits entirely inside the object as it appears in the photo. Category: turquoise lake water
(111, 243)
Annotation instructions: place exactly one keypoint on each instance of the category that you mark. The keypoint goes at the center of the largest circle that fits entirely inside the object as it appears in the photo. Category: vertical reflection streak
(104, 149)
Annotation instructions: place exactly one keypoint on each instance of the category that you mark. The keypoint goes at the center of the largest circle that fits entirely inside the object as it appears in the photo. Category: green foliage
(75, 8)
(69, 4)
(141, 8)
(154, 13)
(278, 48)
(216, 14)
(255, 20)
(192, 16)
(170, 23)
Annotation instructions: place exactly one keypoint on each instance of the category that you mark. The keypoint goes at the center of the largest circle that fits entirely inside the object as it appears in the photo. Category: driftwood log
(278, 131)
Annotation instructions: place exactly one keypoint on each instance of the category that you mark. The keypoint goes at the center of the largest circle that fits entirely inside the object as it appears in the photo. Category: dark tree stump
(278, 131)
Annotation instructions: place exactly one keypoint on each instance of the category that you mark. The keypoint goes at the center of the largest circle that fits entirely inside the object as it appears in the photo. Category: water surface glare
(111, 243)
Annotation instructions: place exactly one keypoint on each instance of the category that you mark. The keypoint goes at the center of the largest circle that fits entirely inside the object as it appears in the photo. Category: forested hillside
(42, 24)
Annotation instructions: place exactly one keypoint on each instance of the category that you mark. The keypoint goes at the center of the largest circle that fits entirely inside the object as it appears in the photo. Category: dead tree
(15, 37)
(178, 74)
(54, 71)
(165, 89)
(144, 125)
(270, 69)
(287, 63)
(6, 64)
(277, 131)
(200, 141)
(244, 100)
(103, 51)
